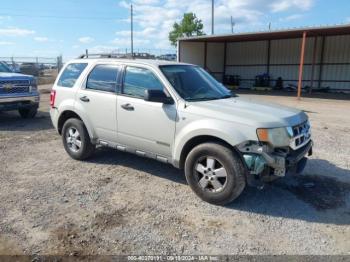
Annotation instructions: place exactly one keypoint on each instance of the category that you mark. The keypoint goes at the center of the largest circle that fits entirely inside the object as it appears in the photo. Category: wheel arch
(197, 140)
(67, 114)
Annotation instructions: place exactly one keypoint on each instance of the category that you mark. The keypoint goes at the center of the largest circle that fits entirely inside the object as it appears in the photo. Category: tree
(190, 25)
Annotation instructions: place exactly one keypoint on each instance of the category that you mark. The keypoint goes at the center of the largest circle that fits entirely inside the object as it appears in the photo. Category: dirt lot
(118, 203)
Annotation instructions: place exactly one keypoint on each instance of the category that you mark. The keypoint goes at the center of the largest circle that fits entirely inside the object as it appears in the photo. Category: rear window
(70, 74)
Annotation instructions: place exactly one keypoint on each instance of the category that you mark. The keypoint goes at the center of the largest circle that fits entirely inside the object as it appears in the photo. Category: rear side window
(137, 80)
(103, 78)
(70, 74)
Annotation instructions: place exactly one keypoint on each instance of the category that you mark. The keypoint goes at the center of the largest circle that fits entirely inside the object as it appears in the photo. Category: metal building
(317, 58)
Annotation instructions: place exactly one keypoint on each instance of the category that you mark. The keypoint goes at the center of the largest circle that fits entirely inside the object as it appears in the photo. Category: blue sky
(68, 27)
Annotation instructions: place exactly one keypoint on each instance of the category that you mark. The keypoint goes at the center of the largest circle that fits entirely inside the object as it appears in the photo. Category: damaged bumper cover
(258, 156)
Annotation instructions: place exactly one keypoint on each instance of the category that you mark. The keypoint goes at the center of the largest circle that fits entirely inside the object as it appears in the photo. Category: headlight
(33, 84)
(277, 137)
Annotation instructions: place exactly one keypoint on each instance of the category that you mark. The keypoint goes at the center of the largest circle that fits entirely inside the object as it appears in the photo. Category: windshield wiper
(211, 98)
(202, 99)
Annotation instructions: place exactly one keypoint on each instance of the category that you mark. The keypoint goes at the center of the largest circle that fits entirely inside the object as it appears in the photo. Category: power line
(61, 17)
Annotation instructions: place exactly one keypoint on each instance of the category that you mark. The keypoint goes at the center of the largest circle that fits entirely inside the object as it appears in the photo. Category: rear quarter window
(70, 74)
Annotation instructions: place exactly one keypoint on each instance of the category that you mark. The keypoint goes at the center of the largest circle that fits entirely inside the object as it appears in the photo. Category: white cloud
(86, 39)
(41, 39)
(125, 42)
(284, 5)
(291, 17)
(13, 31)
(2, 43)
(154, 19)
(103, 49)
(4, 18)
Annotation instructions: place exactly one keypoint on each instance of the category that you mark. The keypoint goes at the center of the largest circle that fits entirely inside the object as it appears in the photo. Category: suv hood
(248, 111)
(14, 76)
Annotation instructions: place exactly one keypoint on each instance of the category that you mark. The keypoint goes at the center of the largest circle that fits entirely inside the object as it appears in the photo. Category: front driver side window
(137, 80)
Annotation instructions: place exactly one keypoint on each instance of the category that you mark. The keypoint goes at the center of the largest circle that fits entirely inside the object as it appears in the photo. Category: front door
(144, 125)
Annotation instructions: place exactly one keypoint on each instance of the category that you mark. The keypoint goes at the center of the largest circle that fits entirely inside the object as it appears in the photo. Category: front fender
(231, 133)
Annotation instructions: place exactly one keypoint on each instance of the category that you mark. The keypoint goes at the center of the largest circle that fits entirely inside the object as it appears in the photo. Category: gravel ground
(117, 203)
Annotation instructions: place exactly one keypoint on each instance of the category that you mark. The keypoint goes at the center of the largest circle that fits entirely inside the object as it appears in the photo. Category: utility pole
(132, 31)
(232, 24)
(212, 17)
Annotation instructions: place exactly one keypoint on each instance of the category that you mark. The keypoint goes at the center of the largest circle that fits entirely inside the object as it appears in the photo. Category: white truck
(179, 114)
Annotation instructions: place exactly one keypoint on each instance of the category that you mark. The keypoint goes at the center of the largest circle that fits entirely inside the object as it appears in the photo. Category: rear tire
(28, 112)
(215, 173)
(76, 139)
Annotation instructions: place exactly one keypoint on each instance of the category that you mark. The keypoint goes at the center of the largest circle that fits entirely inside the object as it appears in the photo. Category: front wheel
(215, 173)
(76, 139)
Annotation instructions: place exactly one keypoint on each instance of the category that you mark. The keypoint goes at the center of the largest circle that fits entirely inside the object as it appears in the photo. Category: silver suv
(179, 114)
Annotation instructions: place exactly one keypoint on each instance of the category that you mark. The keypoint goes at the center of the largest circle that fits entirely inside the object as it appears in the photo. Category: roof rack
(135, 55)
(105, 55)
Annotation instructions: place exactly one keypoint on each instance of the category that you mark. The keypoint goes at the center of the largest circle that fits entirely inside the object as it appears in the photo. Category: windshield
(4, 68)
(193, 83)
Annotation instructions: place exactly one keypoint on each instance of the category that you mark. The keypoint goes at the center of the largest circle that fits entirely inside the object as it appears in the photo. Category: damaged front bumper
(263, 160)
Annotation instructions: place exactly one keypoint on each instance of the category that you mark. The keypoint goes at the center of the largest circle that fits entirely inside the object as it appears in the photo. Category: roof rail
(105, 55)
(118, 55)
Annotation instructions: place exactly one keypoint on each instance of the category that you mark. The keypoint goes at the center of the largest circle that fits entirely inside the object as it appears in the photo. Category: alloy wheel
(211, 174)
(73, 139)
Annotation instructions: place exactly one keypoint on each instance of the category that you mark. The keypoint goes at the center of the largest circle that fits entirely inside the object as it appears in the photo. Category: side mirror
(158, 96)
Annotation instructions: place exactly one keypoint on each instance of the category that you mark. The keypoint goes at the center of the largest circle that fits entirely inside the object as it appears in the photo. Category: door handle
(84, 99)
(127, 107)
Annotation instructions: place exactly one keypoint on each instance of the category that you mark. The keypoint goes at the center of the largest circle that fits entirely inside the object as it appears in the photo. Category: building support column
(313, 64)
(268, 57)
(205, 55)
(224, 68)
(321, 62)
(301, 66)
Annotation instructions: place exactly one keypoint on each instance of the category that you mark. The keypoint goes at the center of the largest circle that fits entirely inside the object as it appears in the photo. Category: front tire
(28, 112)
(215, 173)
(76, 139)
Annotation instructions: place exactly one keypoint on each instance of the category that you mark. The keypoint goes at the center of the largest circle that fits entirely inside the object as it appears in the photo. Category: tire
(204, 183)
(82, 138)
(28, 112)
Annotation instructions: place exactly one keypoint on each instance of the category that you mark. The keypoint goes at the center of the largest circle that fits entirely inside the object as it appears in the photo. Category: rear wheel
(28, 112)
(76, 139)
(215, 173)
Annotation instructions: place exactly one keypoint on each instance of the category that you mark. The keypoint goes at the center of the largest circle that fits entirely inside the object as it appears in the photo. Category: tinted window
(71, 74)
(103, 78)
(137, 80)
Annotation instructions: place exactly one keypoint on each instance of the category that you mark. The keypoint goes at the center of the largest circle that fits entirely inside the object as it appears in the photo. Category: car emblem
(7, 86)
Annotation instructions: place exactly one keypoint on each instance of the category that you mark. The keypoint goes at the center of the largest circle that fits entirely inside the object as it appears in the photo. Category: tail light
(52, 98)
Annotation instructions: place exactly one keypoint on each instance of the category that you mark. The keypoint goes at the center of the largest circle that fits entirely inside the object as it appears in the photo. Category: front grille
(14, 87)
(301, 135)
(14, 90)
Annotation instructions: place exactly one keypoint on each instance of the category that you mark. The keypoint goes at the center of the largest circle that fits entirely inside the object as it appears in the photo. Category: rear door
(98, 99)
(143, 125)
